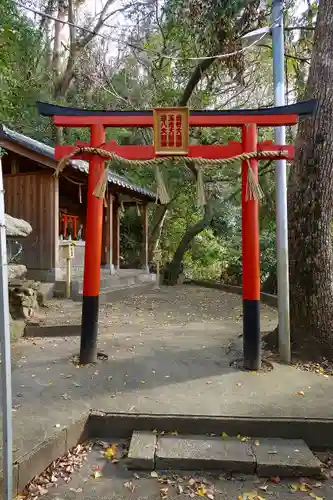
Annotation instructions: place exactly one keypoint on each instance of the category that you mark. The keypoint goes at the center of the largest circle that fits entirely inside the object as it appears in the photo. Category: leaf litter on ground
(60, 469)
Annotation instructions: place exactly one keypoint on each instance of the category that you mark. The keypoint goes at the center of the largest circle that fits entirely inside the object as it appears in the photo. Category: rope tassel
(101, 185)
(201, 197)
(253, 189)
(161, 192)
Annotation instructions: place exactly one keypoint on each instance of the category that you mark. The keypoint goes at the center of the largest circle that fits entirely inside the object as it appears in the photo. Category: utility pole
(281, 187)
(6, 370)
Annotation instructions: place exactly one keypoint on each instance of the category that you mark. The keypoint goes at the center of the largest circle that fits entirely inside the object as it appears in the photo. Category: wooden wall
(34, 197)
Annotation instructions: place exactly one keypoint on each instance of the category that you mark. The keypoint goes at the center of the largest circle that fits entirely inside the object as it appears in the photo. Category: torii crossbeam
(248, 121)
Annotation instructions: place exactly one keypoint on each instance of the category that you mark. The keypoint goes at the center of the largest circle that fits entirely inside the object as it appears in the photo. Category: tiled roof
(82, 166)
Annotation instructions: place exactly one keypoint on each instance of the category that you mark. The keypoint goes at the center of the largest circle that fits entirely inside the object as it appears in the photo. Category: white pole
(281, 188)
(6, 371)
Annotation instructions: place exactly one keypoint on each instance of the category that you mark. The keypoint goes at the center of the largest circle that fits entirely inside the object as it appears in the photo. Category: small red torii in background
(247, 120)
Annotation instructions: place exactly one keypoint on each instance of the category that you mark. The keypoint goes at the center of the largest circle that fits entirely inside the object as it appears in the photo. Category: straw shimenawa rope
(253, 189)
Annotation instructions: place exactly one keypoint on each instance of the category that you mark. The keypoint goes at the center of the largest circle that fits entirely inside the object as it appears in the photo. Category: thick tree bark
(310, 205)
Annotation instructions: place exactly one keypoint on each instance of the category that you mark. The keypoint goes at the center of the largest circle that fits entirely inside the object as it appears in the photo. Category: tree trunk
(310, 205)
(270, 285)
(159, 217)
(173, 269)
(56, 61)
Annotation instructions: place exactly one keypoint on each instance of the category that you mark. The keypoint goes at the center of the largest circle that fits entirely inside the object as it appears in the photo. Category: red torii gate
(249, 121)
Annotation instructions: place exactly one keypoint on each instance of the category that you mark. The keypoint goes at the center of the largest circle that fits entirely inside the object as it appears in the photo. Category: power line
(143, 49)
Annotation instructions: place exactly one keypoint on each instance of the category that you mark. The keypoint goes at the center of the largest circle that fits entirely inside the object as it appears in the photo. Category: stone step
(265, 457)
(107, 285)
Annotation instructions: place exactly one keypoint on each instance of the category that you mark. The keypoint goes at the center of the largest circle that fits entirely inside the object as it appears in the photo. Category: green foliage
(141, 80)
(20, 82)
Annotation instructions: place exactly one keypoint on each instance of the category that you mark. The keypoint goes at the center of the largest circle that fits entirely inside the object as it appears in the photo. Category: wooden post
(116, 235)
(107, 250)
(92, 258)
(250, 260)
(68, 277)
(110, 215)
(145, 224)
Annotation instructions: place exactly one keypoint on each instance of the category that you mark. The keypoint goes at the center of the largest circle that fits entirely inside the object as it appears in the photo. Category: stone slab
(141, 452)
(285, 458)
(77, 432)
(204, 453)
(37, 460)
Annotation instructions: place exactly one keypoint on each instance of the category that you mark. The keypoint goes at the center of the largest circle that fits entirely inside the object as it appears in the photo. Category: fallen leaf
(129, 485)
(179, 489)
(153, 474)
(57, 425)
(111, 452)
(257, 443)
(300, 393)
(201, 492)
(299, 487)
(76, 490)
(164, 492)
(210, 496)
(142, 382)
(96, 474)
(264, 487)
(312, 495)
(42, 490)
(136, 475)
(224, 435)
(304, 487)
(252, 495)
(275, 479)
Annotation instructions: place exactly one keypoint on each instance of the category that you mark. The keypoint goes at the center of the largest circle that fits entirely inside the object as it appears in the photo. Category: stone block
(204, 453)
(142, 449)
(285, 458)
(77, 432)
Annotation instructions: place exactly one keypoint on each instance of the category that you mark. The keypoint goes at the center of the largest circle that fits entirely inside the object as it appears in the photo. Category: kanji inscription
(171, 131)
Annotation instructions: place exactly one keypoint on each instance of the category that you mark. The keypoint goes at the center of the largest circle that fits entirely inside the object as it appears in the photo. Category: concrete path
(169, 352)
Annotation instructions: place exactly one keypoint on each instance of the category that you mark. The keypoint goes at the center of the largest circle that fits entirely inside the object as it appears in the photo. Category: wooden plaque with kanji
(171, 131)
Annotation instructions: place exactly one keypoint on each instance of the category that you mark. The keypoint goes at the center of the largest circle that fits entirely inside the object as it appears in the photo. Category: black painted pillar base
(251, 335)
(89, 330)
